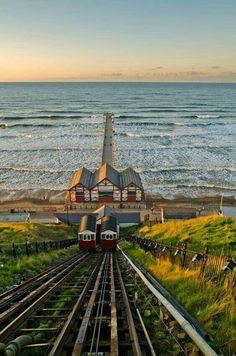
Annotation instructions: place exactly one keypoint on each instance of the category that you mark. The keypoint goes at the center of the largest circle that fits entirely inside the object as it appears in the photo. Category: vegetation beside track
(215, 232)
(213, 307)
(29, 232)
(14, 270)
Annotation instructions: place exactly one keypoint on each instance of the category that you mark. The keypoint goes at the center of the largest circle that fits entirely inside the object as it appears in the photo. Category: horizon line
(115, 82)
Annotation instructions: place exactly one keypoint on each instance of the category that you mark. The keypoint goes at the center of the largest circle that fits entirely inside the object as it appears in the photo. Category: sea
(180, 137)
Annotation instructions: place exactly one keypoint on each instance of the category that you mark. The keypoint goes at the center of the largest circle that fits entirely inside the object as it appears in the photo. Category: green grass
(213, 307)
(28, 232)
(13, 271)
(213, 231)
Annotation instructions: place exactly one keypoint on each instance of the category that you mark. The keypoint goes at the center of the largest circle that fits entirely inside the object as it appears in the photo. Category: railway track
(17, 293)
(105, 324)
(92, 304)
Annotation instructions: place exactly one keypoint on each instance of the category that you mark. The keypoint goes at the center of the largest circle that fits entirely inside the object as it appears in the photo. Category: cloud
(157, 68)
(150, 75)
(114, 74)
(193, 73)
(229, 74)
(177, 74)
(215, 67)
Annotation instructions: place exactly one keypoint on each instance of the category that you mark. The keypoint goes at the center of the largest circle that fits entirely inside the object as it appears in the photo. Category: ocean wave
(41, 170)
(164, 110)
(131, 117)
(55, 149)
(50, 136)
(175, 107)
(9, 137)
(48, 124)
(171, 146)
(136, 123)
(173, 134)
(178, 124)
(156, 123)
(138, 116)
(37, 117)
(151, 134)
(132, 134)
(202, 116)
(50, 116)
(206, 186)
(195, 124)
(183, 169)
(37, 125)
(62, 111)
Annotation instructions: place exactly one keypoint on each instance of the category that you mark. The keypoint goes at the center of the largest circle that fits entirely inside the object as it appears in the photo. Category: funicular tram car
(109, 233)
(87, 233)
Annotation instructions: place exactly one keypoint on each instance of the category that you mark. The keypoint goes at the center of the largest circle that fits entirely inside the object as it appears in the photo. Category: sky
(118, 40)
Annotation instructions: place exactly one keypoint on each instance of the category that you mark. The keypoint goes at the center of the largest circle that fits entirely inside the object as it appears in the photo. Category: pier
(107, 153)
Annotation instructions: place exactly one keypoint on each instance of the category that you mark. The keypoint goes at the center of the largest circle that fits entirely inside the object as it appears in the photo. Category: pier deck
(107, 153)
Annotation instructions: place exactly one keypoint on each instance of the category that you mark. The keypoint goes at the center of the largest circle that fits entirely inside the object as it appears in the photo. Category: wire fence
(27, 249)
(219, 269)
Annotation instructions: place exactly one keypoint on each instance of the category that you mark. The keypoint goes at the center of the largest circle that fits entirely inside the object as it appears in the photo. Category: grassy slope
(22, 232)
(212, 231)
(12, 271)
(214, 308)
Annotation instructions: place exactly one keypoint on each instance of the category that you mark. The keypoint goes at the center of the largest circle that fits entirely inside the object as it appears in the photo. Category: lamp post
(67, 211)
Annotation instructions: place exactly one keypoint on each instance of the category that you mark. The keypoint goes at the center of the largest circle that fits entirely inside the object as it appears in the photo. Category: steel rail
(15, 293)
(62, 337)
(186, 326)
(14, 308)
(98, 318)
(32, 342)
(114, 333)
(65, 274)
(173, 301)
(132, 330)
(79, 343)
(146, 333)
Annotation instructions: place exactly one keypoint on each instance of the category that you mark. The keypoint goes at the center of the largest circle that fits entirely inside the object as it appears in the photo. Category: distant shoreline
(41, 198)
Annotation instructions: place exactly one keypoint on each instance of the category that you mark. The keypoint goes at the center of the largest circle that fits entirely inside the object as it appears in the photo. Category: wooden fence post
(184, 254)
(204, 262)
(27, 249)
(14, 250)
(170, 250)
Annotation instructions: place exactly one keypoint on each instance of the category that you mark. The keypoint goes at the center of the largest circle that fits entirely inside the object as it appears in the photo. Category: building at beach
(105, 185)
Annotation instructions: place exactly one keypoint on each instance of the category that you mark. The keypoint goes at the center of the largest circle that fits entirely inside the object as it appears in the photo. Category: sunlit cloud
(115, 74)
(157, 68)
